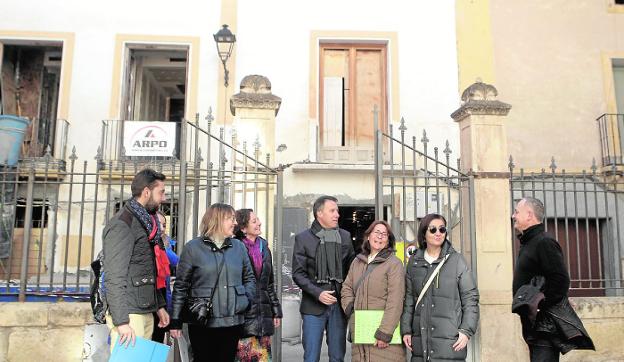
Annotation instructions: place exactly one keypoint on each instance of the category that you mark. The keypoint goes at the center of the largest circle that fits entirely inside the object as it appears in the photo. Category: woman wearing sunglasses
(441, 307)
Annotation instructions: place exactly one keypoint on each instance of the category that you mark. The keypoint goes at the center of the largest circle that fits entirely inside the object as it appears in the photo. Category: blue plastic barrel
(12, 130)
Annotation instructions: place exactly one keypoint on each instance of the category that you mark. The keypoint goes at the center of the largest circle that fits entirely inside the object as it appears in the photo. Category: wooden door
(369, 91)
(353, 81)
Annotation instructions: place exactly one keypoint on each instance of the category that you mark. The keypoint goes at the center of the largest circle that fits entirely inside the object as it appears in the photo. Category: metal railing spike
(402, 126)
(424, 138)
(73, 156)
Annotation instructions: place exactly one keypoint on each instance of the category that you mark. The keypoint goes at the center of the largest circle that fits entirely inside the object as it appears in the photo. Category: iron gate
(52, 217)
(411, 182)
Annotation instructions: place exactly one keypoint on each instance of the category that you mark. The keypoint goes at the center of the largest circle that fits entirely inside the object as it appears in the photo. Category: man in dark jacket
(130, 272)
(321, 258)
(539, 255)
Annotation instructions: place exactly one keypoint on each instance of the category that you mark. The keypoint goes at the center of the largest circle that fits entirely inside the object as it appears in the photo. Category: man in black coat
(539, 255)
(321, 258)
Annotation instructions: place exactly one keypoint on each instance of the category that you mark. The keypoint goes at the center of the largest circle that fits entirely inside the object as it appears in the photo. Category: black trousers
(214, 344)
(158, 335)
(543, 353)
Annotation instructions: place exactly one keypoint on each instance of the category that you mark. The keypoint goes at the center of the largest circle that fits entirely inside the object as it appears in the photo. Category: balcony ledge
(335, 167)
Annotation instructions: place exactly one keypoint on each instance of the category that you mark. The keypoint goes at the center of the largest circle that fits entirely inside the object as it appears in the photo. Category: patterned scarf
(149, 222)
(253, 248)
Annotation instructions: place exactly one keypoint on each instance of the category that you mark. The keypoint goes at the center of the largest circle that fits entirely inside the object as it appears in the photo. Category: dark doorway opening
(356, 219)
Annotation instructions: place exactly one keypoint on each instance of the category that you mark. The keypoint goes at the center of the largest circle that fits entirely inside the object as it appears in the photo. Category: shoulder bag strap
(359, 282)
(214, 289)
(433, 275)
(369, 269)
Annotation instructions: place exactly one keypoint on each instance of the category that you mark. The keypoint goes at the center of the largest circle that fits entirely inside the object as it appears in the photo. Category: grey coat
(129, 268)
(450, 305)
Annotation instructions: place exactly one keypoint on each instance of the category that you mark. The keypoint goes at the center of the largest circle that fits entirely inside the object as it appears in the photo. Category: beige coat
(382, 289)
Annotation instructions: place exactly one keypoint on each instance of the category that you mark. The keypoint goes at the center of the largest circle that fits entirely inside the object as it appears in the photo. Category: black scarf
(146, 219)
(328, 254)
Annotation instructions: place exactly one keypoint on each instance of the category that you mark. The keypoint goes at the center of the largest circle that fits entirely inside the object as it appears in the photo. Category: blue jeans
(332, 321)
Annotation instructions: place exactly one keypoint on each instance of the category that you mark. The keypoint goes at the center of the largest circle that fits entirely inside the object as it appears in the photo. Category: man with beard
(130, 271)
(321, 258)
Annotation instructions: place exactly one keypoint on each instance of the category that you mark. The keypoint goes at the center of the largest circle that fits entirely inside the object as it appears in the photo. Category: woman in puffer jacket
(440, 326)
(213, 302)
(265, 312)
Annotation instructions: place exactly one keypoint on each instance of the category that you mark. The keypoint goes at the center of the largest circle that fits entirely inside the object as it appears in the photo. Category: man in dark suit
(321, 258)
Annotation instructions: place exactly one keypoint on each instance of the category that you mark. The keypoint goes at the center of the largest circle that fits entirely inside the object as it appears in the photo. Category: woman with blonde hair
(214, 285)
(376, 281)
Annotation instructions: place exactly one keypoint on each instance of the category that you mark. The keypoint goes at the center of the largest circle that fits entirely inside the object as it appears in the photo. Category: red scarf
(162, 266)
(162, 261)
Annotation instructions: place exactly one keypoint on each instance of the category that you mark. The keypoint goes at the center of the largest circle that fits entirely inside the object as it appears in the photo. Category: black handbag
(201, 307)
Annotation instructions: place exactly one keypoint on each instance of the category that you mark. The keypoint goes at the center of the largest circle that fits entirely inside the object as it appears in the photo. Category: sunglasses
(434, 229)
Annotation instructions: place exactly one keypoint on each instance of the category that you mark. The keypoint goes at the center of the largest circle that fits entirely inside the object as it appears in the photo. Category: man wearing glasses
(321, 258)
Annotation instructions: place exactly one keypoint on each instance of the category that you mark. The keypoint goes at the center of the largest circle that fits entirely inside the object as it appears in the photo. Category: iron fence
(52, 219)
(412, 182)
(46, 136)
(584, 211)
(611, 127)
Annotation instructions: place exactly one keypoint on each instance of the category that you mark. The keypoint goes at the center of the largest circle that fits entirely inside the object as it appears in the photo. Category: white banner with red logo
(149, 138)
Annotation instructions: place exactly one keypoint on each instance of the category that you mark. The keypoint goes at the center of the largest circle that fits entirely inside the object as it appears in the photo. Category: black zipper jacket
(196, 277)
(264, 305)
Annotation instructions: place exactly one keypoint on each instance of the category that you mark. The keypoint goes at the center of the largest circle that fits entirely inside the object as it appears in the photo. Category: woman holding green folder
(376, 282)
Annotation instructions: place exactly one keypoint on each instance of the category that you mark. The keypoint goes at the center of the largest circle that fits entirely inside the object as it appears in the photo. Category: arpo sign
(149, 138)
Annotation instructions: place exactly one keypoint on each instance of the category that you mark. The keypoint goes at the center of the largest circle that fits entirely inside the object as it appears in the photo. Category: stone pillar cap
(255, 92)
(480, 99)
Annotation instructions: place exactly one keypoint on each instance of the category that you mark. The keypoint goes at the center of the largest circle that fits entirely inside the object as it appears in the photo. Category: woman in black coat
(265, 312)
(213, 303)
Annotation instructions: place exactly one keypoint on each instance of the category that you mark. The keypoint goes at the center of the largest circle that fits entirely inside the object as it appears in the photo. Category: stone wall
(603, 318)
(43, 331)
(55, 331)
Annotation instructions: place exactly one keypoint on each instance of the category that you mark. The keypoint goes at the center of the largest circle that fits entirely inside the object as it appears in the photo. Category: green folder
(366, 324)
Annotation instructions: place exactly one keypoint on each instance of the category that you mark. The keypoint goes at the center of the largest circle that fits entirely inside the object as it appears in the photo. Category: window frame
(353, 47)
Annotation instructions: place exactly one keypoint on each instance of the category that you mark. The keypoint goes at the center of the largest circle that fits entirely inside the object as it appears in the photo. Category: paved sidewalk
(294, 352)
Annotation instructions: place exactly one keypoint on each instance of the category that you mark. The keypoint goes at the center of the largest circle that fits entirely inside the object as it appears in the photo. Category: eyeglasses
(434, 229)
(380, 233)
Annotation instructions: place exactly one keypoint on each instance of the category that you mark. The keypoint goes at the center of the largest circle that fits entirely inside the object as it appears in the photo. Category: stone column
(254, 109)
(484, 156)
